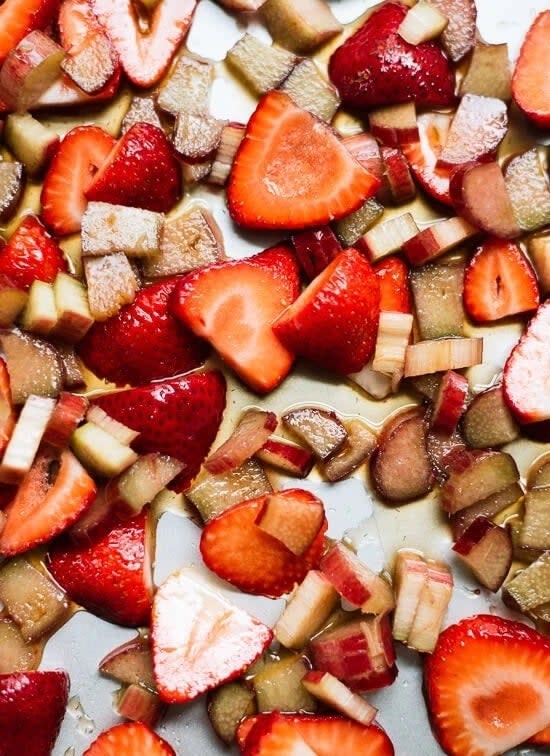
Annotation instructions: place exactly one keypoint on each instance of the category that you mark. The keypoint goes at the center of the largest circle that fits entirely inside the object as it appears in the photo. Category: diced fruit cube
(432, 607)
(262, 66)
(476, 475)
(40, 313)
(74, 318)
(423, 22)
(489, 73)
(186, 90)
(232, 136)
(278, 685)
(295, 521)
(290, 458)
(31, 143)
(410, 578)
(359, 445)
(25, 439)
(138, 704)
(320, 429)
(437, 293)
(488, 422)
(378, 385)
(227, 706)
(489, 507)
(529, 588)
(439, 238)
(394, 333)
(351, 228)
(196, 137)
(111, 282)
(99, 451)
(338, 696)
(479, 125)
(253, 430)
(310, 89)
(141, 110)
(300, 25)
(121, 432)
(130, 664)
(394, 125)
(33, 366)
(67, 415)
(114, 228)
(487, 550)
(437, 355)
(529, 190)
(12, 301)
(141, 482)
(11, 187)
(535, 531)
(539, 251)
(92, 65)
(29, 69)
(308, 609)
(388, 237)
(450, 402)
(17, 654)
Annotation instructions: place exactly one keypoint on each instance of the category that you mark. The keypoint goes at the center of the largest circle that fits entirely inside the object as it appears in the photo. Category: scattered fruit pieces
(129, 739)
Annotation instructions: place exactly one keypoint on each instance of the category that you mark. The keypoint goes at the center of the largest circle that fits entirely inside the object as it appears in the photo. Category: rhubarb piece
(529, 84)
(351, 228)
(33, 366)
(100, 452)
(394, 333)
(439, 238)
(111, 283)
(11, 187)
(529, 588)
(523, 554)
(400, 467)
(477, 475)
(359, 445)
(278, 685)
(295, 521)
(121, 432)
(73, 378)
(366, 150)
(193, 173)
(307, 611)
(443, 449)
(423, 22)
(30, 142)
(93, 64)
(187, 88)
(231, 138)
(479, 125)
(394, 125)
(140, 705)
(538, 474)
(427, 385)
(423, 155)
(319, 429)
(489, 73)
(488, 422)
(74, 318)
(287, 457)
(130, 664)
(300, 25)
(338, 696)
(310, 89)
(450, 402)
(535, 531)
(315, 249)
(69, 411)
(397, 183)
(388, 237)
(114, 228)
(529, 190)
(251, 433)
(196, 137)
(17, 655)
(12, 301)
(432, 607)
(437, 355)
(378, 385)
(437, 293)
(141, 482)
(8, 416)
(227, 706)
(459, 35)
(40, 313)
(487, 550)
(410, 578)
(487, 508)
(25, 438)
(29, 69)
(142, 110)
(539, 252)
(263, 67)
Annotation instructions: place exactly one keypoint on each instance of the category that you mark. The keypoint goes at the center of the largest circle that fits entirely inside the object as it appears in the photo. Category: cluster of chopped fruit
(109, 273)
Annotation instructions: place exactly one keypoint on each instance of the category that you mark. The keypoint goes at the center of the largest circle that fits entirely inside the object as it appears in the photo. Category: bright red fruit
(31, 254)
(422, 155)
(530, 86)
(19, 17)
(7, 411)
(129, 739)
(393, 278)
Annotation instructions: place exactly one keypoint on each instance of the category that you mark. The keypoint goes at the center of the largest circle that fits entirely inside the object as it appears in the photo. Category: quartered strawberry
(291, 170)
(31, 254)
(393, 278)
(179, 417)
(141, 170)
(334, 322)
(530, 87)
(111, 575)
(143, 341)
(375, 66)
(32, 707)
(487, 685)
(233, 304)
(237, 550)
(19, 17)
(145, 56)
(499, 281)
(129, 739)
(200, 640)
(423, 155)
(7, 411)
(80, 154)
(53, 495)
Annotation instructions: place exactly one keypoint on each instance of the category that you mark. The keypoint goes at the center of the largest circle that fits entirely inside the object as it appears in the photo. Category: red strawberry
(129, 739)
(292, 171)
(232, 305)
(32, 707)
(393, 277)
(143, 341)
(423, 155)
(19, 17)
(78, 157)
(530, 80)
(315, 249)
(31, 254)
(499, 281)
(179, 417)
(200, 640)
(487, 685)
(375, 66)
(53, 494)
(7, 411)
(237, 550)
(334, 322)
(527, 371)
(145, 56)
(141, 170)
(111, 575)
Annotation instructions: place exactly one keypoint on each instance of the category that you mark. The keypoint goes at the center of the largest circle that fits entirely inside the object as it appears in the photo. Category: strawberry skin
(31, 254)
(393, 277)
(129, 739)
(334, 322)
(375, 66)
(292, 171)
(530, 80)
(111, 576)
(141, 170)
(19, 17)
(143, 342)
(179, 417)
(487, 685)
(32, 707)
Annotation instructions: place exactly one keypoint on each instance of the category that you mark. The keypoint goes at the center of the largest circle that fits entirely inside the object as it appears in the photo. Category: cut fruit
(307, 611)
(310, 89)
(111, 282)
(33, 366)
(393, 277)
(107, 229)
(29, 69)
(374, 383)
(321, 430)
(529, 82)
(8, 416)
(295, 521)
(535, 531)
(338, 696)
(488, 422)
(487, 550)
(100, 452)
(197, 137)
(187, 88)
(129, 737)
(227, 706)
(12, 301)
(489, 73)
(140, 705)
(290, 458)
(410, 578)
(437, 294)
(278, 685)
(253, 430)
(450, 402)
(121, 432)
(423, 22)
(539, 252)
(432, 607)
(25, 438)
(388, 237)
(529, 190)
(17, 655)
(529, 588)
(437, 355)
(31, 143)
(141, 482)
(488, 507)
(130, 664)
(423, 155)
(74, 318)
(360, 444)
(459, 35)
(479, 125)
(394, 334)
(475, 476)
(263, 67)
(315, 250)
(300, 25)
(142, 110)
(538, 474)
(11, 187)
(438, 239)
(40, 313)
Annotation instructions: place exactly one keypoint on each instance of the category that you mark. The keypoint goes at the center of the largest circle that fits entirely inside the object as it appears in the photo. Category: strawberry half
(31, 254)
(233, 304)
(423, 155)
(499, 281)
(129, 739)
(141, 170)
(292, 171)
(19, 17)
(530, 80)
(393, 278)
(487, 685)
(334, 322)
(375, 66)
(237, 550)
(179, 417)
(143, 341)
(78, 157)
(111, 575)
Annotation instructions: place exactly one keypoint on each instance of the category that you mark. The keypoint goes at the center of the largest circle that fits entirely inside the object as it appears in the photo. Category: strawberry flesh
(530, 80)
(19, 17)
(129, 739)
(393, 278)
(31, 254)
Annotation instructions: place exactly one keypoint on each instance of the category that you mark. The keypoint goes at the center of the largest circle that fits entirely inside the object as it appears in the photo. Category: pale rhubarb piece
(291, 521)
(138, 704)
(111, 282)
(194, 172)
(251, 433)
(437, 293)
(338, 696)
(227, 706)
(231, 138)
(92, 65)
(100, 452)
(438, 355)
(438, 239)
(33, 365)
(535, 530)
(74, 318)
(121, 432)
(311, 90)
(359, 445)
(25, 438)
(40, 313)
(196, 137)
(321, 430)
(73, 377)
(278, 685)
(263, 67)
(67, 415)
(11, 187)
(31, 143)
(17, 655)
(487, 550)
(307, 611)
(474, 476)
(529, 588)
(187, 87)
(115, 228)
(394, 125)
(539, 251)
(529, 189)
(422, 23)
(432, 607)
(141, 482)
(351, 228)
(489, 73)
(394, 333)
(142, 110)
(477, 129)
(410, 577)
(300, 25)
(12, 300)
(389, 236)
(290, 458)
(29, 69)
(378, 385)
(130, 664)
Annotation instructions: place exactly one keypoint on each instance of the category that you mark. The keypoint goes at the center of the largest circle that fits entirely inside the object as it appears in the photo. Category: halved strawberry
(129, 739)
(19, 17)
(334, 322)
(530, 80)
(233, 304)
(7, 411)
(237, 550)
(499, 281)
(111, 575)
(31, 254)
(487, 685)
(292, 171)
(393, 278)
(52, 496)
(83, 150)
(143, 342)
(179, 417)
(424, 154)
(141, 170)
(145, 43)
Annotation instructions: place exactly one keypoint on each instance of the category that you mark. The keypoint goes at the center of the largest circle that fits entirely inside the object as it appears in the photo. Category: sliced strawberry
(31, 254)
(424, 154)
(7, 411)
(530, 80)
(52, 496)
(141, 170)
(111, 575)
(32, 707)
(145, 55)
(200, 640)
(179, 417)
(334, 322)
(232, 305)
(292, 171)
(143, 341)
(237, 550)
(315, 249)
(129, 739)
(488, 685)
(78, 157)
(393, 278)
(19, 17)
(375, 66)
(499, 281)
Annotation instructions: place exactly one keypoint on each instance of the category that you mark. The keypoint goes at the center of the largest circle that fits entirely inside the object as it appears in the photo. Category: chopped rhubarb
(487, 550)
(308, 609)
(320, 429)
(338, 696)
(476, 475)
(450, 403)
(432, 607)
(410, 576)
(290, 458)
(295, 520)
(250, 435)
